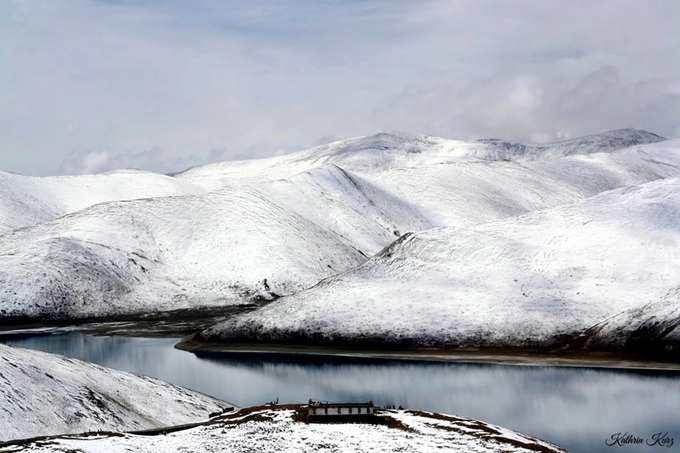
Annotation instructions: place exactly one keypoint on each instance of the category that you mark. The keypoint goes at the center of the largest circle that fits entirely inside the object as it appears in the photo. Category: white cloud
(272, 77)
(87, 161)
(95, 161)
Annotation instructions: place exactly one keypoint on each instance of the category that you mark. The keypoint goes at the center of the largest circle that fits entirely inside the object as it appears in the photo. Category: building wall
(321, 411)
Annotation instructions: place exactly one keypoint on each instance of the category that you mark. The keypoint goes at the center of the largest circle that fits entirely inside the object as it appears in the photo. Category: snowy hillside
(292, 220)
(399, 151)
(514, 282)
(472, 192)
(652, 329)
(452, 182)
(277, 429)
(166, 253)
(46, 394)
(598, 143)
(27, 200)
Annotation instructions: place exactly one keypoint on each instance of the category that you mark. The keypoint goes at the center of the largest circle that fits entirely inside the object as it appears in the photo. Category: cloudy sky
(88, 86)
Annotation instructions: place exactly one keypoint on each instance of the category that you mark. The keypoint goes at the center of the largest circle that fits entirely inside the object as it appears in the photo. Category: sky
(90, 85)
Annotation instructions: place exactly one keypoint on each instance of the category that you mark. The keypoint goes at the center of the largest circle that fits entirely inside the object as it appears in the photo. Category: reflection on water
(576, 408)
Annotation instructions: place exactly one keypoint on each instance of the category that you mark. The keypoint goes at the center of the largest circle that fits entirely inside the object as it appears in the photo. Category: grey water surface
(577, 408)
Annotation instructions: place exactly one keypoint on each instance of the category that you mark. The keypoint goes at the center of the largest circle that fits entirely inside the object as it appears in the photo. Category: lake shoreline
(498, 356)
(168, 324)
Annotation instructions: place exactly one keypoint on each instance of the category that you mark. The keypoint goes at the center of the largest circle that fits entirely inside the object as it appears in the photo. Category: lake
(577, 408)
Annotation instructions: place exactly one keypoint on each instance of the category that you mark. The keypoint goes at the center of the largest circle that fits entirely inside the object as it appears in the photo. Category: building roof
(327, 404)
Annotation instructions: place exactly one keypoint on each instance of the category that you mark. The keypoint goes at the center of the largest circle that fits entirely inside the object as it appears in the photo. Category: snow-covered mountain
(379, 152)
(598, 143)
(47, 394)
(521, 281)
(166, 253)
(276, 429)
(238, 231)
(27, 200)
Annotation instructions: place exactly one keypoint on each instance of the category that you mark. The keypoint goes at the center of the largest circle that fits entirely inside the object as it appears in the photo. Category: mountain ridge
(234, 236)
(522, 281)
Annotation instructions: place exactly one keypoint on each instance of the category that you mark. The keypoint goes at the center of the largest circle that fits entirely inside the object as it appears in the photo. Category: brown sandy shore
(589, 359)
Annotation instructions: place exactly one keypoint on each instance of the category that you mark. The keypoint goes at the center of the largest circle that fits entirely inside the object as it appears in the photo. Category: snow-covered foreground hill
(46, 394)
(278, 429)
(254, 230)
(515, 282)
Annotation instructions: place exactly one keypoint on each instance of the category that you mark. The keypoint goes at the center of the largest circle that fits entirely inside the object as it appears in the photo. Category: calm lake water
(577, 408)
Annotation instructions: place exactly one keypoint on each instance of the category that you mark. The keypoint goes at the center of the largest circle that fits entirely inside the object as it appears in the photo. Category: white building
(339, 412)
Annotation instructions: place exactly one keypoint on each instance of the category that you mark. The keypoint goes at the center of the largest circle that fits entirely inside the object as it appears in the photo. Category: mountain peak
(608, 141)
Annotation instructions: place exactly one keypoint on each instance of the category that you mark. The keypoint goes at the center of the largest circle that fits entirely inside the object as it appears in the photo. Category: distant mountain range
(389, 238)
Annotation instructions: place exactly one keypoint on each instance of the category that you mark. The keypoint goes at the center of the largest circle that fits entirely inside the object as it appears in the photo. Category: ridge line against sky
(88, 85)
